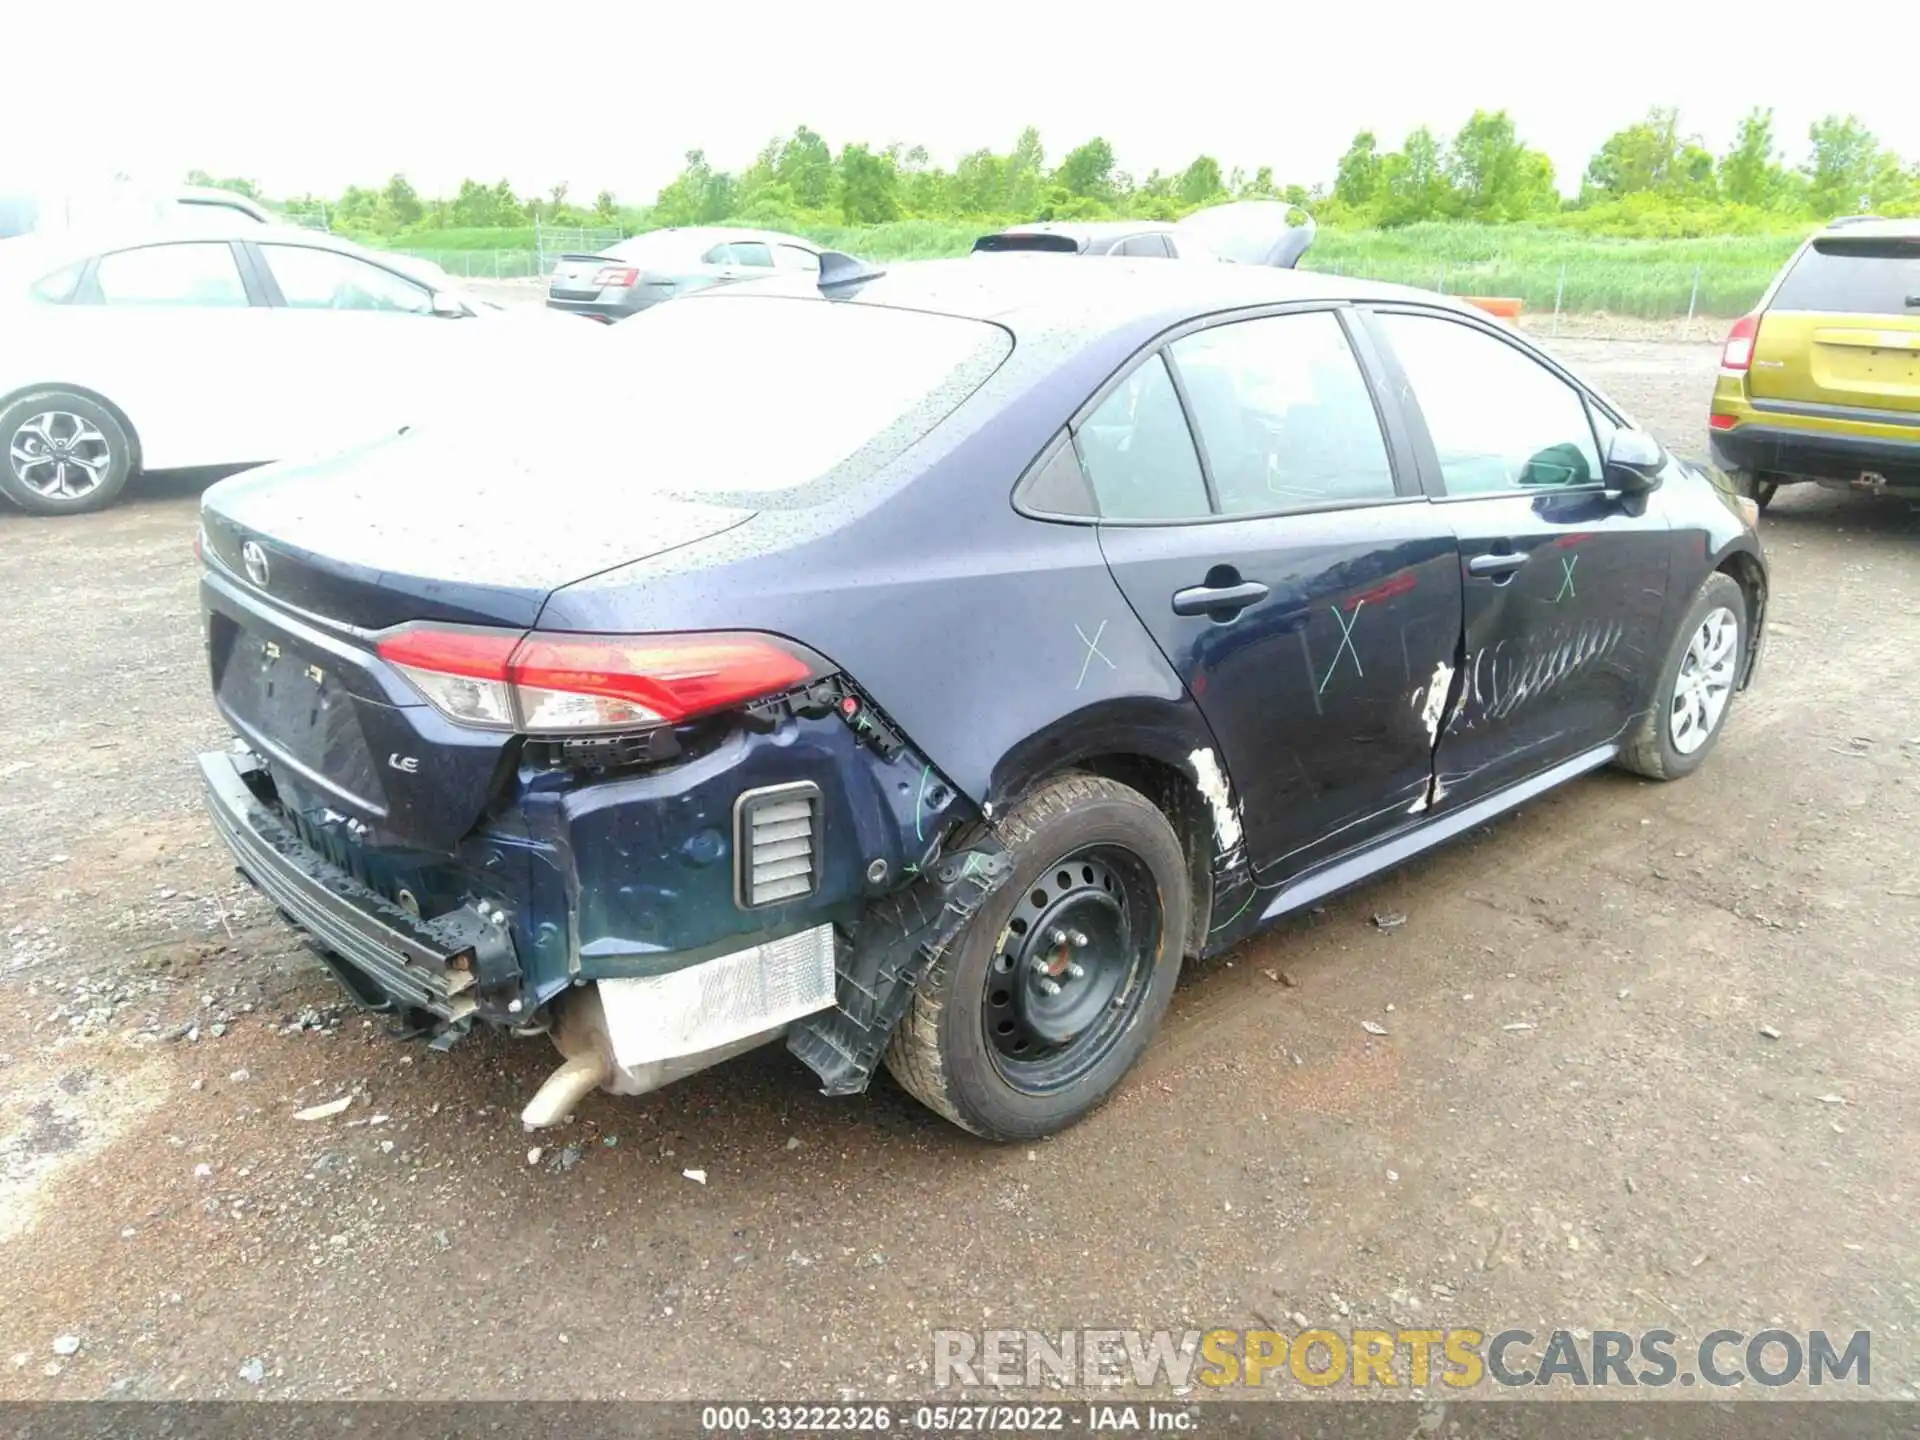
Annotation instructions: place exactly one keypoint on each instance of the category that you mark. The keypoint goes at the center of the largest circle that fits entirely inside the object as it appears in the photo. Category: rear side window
(1285, 414)
(1146, 246)
(1857, 276)
(1138, 451)
(203, 273)
(60, 285)
(792, 257)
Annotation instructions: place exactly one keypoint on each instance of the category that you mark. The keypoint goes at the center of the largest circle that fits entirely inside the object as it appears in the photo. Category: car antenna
(839, 270)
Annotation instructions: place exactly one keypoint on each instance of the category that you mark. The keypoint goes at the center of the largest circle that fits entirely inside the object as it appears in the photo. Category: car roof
(1026, 291)
(31, 256)
(218, 197)
(1872, 227)
(1086, 230)
(714, 234)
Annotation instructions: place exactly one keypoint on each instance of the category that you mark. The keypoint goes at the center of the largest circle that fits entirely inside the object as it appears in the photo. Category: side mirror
(450, 307)
(1635, 462)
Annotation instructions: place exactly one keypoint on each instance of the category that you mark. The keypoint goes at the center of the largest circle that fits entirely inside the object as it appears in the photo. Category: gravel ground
(1641, 1154)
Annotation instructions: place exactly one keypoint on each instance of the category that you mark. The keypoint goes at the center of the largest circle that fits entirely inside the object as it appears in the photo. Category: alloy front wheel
(1705, 682)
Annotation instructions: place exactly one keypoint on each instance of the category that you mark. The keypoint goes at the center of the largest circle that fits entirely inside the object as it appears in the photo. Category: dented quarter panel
(650, 860)
(902, 584)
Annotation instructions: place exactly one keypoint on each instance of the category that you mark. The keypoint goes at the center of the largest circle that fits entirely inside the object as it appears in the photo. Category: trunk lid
(303, 560)
(573, 275)
(444, 524)
(1843, 329)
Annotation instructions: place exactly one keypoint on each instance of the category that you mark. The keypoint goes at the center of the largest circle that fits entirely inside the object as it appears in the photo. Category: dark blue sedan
(919, 666)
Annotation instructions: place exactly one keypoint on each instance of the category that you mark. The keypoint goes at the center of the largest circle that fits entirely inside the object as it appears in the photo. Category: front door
(364, 336)
(1305, 592)
(1564, 582)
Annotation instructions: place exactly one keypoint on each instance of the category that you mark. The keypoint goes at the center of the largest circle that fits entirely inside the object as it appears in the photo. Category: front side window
(1138, 452)
(311, 279)
(1498, 418)
(1146, 246)
(203, 273)
(1284, 413)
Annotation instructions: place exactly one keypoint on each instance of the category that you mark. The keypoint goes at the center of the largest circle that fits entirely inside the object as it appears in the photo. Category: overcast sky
(314, 96)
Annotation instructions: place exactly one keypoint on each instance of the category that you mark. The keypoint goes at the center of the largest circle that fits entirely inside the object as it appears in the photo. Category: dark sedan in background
(1253, 232)
(664, 264)
(929, 667)
(1132, 239)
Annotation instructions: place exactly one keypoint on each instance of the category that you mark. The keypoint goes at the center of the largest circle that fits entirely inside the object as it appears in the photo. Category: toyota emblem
(255, 559)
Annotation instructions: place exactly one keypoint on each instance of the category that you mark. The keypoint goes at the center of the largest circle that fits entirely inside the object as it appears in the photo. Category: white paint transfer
(1213, 785)
(1436, 705)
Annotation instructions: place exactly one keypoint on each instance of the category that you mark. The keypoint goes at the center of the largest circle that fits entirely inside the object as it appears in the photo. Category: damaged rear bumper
(430, 971)
(834, 994)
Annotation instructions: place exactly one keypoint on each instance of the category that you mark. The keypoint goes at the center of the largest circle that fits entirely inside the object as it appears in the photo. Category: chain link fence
(550, 242)
(1626, 287)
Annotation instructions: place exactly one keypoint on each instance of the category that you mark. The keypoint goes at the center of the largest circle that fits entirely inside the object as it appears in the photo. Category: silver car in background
(626, 278)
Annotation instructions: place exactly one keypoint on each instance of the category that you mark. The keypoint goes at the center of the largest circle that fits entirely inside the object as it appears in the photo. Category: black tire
(1651, 750)
(109, 457)
(942, 1051)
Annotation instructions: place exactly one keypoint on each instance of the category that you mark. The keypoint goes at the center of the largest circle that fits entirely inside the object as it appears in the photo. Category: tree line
(1650, 178)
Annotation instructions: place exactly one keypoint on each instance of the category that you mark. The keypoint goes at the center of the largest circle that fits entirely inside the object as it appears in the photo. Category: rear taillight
(619, 276)
(548, 684)
(1719, 421)
(1738, 353)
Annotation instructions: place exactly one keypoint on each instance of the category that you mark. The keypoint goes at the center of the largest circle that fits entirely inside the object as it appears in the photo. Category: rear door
(1290, 570)
(1842, 332)
(172, 334)
(1564, 582)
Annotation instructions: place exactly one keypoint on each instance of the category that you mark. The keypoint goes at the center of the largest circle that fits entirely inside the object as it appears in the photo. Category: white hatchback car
(224, 346)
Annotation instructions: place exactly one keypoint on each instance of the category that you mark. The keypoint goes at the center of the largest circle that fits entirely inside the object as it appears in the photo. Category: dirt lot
(1642, 1156)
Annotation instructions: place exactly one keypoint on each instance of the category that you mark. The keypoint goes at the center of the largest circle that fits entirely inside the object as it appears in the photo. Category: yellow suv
(1821, 382)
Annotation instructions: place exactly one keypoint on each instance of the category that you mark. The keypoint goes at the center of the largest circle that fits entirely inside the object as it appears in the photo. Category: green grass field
(1537, 263)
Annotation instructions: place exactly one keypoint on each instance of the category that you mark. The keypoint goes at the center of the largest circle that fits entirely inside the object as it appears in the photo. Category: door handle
(1219, 601)
(1484, 565)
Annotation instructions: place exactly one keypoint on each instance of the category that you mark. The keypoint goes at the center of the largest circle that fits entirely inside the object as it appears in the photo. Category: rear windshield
(661, 247)
(1855, 276)
(1040, 240)
(737, 395)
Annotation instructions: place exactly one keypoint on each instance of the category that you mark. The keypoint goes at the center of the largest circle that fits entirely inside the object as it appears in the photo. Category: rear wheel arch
(1176, 794)
(52, 387)
(1151, 753)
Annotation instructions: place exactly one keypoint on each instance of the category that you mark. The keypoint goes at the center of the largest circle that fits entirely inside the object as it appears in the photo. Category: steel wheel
(1072, 969)
(60, 455)
(1705, 681)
